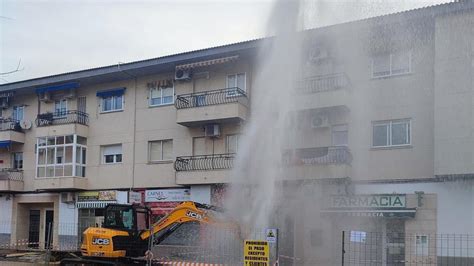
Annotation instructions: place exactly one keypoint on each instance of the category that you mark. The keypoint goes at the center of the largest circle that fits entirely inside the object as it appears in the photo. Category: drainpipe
(134, 123)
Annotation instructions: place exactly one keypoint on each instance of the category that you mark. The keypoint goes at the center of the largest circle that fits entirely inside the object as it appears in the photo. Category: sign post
(256, 253)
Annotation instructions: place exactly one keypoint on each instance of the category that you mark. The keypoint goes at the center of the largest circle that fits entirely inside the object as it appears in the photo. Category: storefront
(163, 201)
(375, 227)
(90, 205)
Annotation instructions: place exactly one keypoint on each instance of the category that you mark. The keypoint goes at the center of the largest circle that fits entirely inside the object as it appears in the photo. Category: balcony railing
(204, 162)
(11, 174)
(317, 156)
(322, 83)
(10, 124)
(222, 96)
(61, 118)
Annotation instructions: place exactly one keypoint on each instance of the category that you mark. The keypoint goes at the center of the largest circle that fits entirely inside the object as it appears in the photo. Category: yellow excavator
(126, 232)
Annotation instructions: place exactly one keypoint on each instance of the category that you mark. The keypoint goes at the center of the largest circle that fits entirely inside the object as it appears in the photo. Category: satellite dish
(25, 124)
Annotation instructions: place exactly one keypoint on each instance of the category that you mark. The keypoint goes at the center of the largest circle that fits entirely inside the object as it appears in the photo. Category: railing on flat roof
(214, 97)
(61, 118)
(11, 174)
(10, 124)
(322, 83)
(204, 162)
(317, 156)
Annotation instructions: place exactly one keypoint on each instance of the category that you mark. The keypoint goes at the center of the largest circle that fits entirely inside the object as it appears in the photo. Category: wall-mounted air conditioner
(68, 197)
(212, 130)
(45, 97)
(319, 121)
(183, 74)
(318, 54)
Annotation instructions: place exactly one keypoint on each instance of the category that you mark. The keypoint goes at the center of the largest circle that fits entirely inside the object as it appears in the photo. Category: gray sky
(52, 37)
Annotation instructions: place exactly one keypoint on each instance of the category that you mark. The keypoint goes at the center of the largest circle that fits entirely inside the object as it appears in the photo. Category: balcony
(203, 169)
(60, 183)
(62, 123)
(322, 92)
(317, 163)
(11, 179)
(218, 106)
(10, 131)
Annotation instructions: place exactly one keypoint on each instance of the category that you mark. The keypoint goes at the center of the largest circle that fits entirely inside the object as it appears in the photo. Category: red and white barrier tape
(184, 263)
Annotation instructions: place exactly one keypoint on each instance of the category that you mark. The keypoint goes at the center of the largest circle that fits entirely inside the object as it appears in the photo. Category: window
(236, 81)
(17, 160)
(160, 150)
(18, 113)
(112, 103)
(391, 64)
(391, 133)
(61, 156)
(161, 96)
(358, 236)
(60, 108)
(232, 143)
(421, 247)
(340, 135)
(112, 154)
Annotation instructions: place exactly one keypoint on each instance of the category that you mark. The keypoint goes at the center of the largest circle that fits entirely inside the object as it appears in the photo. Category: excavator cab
(131, 218)
(120, 233)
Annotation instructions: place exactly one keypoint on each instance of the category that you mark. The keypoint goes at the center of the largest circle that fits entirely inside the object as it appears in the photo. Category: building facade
(385, 109)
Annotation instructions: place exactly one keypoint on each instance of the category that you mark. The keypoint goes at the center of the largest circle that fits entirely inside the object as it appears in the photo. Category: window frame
(114, 101)
(60, 114)
(391, 74)
(162, 153)
(390, 123)
(333, 127)
(75, 146)
(14, 160)
(232, 93)
(18, 107)
(103, 154)
(160, 88)
(238, 135)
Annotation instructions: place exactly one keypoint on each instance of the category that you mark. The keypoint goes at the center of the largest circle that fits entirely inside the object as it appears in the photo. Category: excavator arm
(186, 212)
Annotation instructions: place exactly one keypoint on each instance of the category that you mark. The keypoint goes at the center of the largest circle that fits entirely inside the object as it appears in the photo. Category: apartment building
(384, 108)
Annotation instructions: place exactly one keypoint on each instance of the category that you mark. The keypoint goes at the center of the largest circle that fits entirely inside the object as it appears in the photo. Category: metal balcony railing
(222, 96)
(317, 156)
(11, 174)
(10, 124)
(61, 118)
(322, 83)
(204, 162)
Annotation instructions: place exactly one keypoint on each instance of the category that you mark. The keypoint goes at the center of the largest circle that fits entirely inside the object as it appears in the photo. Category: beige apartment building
(385, 106)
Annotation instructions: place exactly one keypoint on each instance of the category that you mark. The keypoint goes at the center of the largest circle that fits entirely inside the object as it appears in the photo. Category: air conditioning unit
(68, 197)
(70, 94)
(45, 97)
(319, 121)
(318, 54)
(183, 74)
(212, 130)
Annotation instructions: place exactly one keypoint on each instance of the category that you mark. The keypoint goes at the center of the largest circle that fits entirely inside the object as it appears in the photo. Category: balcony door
(60, 108)
(202, 146)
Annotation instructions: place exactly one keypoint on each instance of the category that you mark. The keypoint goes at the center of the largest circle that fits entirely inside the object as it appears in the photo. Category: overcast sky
(52, 37)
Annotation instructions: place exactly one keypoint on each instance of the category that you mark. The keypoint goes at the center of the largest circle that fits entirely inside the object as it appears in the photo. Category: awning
(5, 143)
(112, 92)
(208, 62)
(66, 86)
(97, 204)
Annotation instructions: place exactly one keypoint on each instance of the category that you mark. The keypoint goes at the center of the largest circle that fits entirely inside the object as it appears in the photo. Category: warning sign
(256, 253)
